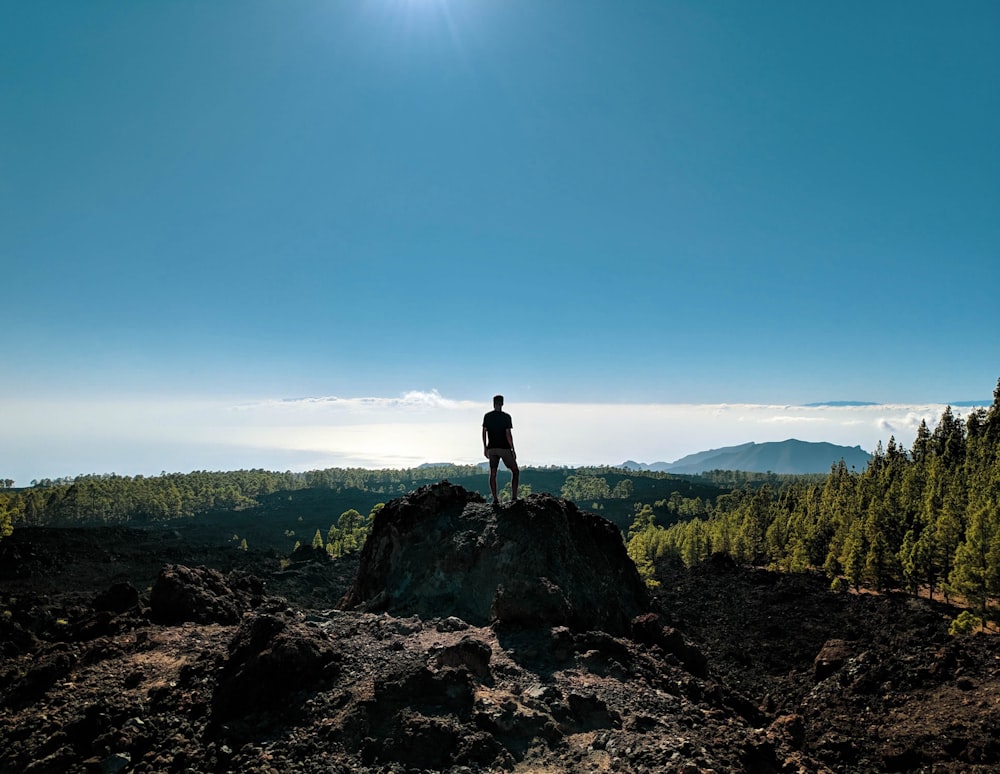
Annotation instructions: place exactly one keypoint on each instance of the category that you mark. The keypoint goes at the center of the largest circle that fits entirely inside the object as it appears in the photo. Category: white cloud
(414, 402)
(792, 420)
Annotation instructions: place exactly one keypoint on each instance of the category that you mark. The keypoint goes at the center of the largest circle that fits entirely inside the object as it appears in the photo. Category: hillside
(786, 457)
(137, 650)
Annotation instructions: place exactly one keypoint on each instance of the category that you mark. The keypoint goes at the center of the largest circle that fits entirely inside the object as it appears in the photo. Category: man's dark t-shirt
(496, 424)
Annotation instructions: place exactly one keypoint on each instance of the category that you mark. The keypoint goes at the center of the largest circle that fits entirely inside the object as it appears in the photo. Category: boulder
(442, 551)
(117, 598)
(831, 658)
(272, 657)
(202, 595)
(648, 629)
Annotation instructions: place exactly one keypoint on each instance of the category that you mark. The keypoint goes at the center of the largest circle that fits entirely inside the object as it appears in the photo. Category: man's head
(498, 402)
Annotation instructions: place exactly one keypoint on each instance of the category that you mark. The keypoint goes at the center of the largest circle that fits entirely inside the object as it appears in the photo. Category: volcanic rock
(441, 551)
(202, 595)
(832, 657)
(271, 657)
(719, 675)
(117, 598)
(648, 629)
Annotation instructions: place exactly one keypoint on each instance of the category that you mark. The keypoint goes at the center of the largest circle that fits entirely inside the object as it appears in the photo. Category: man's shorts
(507, 455)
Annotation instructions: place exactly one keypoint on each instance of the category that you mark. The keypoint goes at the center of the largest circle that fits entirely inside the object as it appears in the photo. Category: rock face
(442, 551)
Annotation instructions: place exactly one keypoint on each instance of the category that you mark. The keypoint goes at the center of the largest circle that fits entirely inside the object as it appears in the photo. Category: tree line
(115, 499)
(924, 519)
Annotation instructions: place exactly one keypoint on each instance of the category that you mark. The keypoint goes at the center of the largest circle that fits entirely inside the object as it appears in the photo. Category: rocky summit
(469, 639)
(442, 551)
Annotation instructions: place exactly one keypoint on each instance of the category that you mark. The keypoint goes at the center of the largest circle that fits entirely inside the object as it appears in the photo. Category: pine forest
(924, 520)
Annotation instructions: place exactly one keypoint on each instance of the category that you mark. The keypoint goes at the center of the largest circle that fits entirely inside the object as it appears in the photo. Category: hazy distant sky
(601, 209)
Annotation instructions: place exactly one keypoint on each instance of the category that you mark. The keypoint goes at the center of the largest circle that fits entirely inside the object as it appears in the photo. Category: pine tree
(971, 572)
(6, 518)
(908, 561)
(976, 571)
(921, 444)
(949, 529)
(925, 559)
(992, 423)
(640, 552)
(837, 502)
(751, 538)
(694, 548)
(644, 519)
(854, 554)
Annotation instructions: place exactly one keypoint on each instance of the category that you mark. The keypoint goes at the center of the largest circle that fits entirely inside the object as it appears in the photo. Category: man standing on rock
(498, 444)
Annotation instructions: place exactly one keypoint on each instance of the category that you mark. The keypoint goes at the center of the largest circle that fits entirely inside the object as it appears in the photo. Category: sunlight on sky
(52, 439)
(651, 223)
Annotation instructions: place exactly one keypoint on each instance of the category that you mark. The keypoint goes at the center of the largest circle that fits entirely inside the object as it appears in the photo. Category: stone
(441, 552)
(830, 659)
(202, 595)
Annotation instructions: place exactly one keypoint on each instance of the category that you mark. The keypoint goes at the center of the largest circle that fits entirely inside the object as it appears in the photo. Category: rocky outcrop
(272, 657)
(202, 595)
(442, 551)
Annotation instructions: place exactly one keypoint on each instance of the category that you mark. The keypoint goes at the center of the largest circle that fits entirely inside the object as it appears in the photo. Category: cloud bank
(48, 439)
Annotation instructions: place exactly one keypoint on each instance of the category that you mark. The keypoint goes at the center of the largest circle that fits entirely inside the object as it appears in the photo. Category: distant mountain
(791, 456)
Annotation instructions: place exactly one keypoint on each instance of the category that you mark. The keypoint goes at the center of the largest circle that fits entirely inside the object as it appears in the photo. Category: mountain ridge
(791, 456)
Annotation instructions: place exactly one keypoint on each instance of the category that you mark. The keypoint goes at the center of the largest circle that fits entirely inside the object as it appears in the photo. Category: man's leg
(515, 472)
(494, 464)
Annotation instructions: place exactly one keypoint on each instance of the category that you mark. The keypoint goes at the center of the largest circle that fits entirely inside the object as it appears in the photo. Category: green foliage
(273, 509)
(506, 492)
(647, 544)
(623, 490)
(927, 519)
(350, 532)
(6, 517)
(304, 501)
(114, 499)
(965, 623)
(584, 487)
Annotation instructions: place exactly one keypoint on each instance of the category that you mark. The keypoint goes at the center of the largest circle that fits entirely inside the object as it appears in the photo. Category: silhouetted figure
(498, 444)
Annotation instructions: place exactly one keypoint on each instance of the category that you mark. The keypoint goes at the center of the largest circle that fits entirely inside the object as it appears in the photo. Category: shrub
(965, 623)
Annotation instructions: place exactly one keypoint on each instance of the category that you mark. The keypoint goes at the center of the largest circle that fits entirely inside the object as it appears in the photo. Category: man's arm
(484, 442)
(510, 439)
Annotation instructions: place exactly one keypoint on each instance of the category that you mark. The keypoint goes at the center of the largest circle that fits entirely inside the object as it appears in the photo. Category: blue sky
(571, 202)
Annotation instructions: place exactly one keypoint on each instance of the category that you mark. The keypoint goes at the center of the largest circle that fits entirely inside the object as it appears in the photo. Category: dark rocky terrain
(468, 639)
